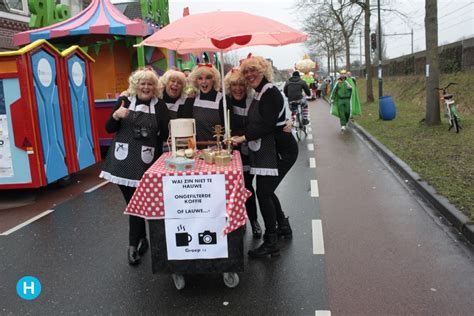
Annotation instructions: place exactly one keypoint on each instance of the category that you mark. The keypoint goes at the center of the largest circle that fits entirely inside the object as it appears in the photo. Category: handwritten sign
(194, 196)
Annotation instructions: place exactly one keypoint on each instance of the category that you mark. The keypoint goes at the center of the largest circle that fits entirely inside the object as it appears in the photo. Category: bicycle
(297, 119)
(451, 112)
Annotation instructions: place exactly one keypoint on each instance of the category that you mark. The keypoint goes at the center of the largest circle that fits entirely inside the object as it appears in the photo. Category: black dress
(238, 124)
(137, 144)
(131, 154)
(173, 104)
(205, 110)
(263, 116)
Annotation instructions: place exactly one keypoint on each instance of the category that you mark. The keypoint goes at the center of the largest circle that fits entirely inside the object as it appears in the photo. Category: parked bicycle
(297, 119)
(450, 106)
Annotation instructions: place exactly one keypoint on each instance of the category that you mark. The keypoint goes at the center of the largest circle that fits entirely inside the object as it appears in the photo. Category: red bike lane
(386, 251)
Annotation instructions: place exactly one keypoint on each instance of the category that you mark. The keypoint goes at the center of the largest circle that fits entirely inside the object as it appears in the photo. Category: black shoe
(268, 248)
(305, 121)
(284, 229)
(133, 256)
(142, 246)
(256, 229)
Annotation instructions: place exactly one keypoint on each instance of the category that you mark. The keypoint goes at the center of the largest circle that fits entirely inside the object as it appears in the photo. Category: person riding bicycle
(293, 91)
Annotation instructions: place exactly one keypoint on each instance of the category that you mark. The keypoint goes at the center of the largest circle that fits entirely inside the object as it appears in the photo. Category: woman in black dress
(140, 123)
(272, 150)
(204, 108)
(239, 98)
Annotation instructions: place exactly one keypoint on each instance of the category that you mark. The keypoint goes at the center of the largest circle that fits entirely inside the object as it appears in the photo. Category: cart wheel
(231, 279)
(178, 281)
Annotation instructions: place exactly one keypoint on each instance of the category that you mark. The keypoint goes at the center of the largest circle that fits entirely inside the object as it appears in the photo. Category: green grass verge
(443, 159)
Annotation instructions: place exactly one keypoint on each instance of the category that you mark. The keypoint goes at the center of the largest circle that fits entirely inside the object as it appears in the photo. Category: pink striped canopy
(100, 17)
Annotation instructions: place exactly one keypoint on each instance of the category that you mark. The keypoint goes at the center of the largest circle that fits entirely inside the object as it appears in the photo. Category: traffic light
(373, 41)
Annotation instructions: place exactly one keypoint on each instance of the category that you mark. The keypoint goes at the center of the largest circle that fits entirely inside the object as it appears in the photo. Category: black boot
(284, 228)
(133, 256)
(256, 229)
(269, 247)
(142, 246)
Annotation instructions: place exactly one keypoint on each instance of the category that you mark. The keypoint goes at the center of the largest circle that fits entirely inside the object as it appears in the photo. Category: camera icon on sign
(207, 238)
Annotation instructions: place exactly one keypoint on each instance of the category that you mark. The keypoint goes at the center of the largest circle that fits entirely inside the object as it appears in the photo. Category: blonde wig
(172, 74)
(232, 77)
(143, 74)
(204, 70)
(262, 65)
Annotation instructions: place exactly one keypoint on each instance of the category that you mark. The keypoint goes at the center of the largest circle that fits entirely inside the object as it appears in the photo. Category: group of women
(258, 123)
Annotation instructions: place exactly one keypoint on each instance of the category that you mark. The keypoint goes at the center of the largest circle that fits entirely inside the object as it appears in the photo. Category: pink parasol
(222, 31)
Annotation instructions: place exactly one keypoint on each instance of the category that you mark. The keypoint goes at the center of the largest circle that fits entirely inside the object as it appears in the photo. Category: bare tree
(346, 13)
(347, 16)
(324, 37)
(432, 63)
(368, 65)
(365, 5)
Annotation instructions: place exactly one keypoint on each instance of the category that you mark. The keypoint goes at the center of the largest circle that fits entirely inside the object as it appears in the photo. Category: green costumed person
(345, 100)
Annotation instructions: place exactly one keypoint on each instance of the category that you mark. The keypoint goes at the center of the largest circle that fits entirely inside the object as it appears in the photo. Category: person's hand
(121, 112)
(238, 140)
(288, 126)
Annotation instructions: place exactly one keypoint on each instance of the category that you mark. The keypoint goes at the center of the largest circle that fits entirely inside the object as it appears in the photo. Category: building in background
(15, 17)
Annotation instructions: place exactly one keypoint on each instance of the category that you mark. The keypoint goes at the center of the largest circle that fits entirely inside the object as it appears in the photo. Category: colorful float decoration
(46, 115)
(108, 36)
(305, 66)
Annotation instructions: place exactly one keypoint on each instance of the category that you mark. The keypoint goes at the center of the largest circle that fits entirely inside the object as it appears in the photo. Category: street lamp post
(379, 44)
(360, 54)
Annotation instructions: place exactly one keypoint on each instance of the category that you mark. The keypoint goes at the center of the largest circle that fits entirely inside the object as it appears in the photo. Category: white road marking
(31, 220)
(314, 188)
(310, 137)
(318, 243)
(312, 162)
(311, 147)
(323, 313)
(96, 187)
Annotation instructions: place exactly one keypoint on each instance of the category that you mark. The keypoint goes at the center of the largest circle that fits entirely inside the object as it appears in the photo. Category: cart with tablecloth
(196, 218)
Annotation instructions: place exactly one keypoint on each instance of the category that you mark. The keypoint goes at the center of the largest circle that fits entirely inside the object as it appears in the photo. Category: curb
(459, 220)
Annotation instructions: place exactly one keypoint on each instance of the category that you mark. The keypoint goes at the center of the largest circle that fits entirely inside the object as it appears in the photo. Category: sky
(455, 18)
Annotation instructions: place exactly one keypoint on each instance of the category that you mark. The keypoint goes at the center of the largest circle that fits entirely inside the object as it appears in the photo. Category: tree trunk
(432, 63)
(368, 65)
(348, 52)
(329, 63)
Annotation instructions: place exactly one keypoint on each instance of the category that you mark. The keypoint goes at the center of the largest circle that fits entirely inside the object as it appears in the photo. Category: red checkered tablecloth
(147, 202)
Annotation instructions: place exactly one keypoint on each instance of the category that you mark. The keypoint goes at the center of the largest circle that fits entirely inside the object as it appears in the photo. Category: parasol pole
(226, 122)
(140, 52)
